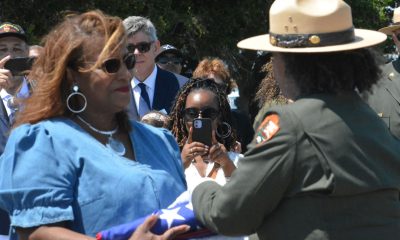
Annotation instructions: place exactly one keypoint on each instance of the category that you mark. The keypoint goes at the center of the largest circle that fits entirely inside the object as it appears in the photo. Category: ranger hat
(395, 23)
(8, 29)
(312, 26)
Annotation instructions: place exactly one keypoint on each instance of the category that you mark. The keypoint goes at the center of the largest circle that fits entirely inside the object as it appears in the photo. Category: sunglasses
(142, 47)
(113, 65)
(165, 60)
(191, 113)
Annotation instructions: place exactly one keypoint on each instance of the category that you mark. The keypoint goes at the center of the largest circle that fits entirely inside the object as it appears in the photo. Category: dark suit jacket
(385, 97)
(4, 130)
(166, 89)
(4, 127)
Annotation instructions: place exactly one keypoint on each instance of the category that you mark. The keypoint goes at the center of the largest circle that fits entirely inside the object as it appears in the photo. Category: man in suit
(152, 87)
(13, 43)
(385, 97)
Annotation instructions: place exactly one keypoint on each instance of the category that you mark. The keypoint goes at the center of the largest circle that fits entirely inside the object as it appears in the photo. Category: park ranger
(322, 167)
(385, 96)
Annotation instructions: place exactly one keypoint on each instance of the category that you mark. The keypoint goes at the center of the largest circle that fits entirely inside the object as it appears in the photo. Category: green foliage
(199, 27)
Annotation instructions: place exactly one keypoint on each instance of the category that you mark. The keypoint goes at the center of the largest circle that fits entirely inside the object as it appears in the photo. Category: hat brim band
(312, 40)
(363, 38)
(389, 30)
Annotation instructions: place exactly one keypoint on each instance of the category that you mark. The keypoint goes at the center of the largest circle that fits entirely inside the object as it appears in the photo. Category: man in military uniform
(385, 96)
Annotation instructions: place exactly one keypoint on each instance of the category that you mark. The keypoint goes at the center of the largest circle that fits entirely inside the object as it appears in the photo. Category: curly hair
(333, 72)
(269, 90)
(217, 67)
(178, 123)
(64, 48)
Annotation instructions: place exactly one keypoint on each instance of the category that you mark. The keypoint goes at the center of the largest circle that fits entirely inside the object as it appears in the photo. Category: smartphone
(202, 131)
(18, 66)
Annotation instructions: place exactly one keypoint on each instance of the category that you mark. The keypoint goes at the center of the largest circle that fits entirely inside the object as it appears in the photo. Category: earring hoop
(227, 133)
(75, 93)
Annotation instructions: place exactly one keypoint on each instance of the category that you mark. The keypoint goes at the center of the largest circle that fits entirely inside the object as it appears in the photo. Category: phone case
(202, 131)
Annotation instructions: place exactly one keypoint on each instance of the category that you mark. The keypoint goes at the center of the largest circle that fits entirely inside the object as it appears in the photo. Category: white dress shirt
(4, 97)
(150, 83)
(22, 93)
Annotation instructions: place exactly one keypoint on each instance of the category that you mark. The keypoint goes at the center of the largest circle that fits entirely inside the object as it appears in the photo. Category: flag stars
(169, 215)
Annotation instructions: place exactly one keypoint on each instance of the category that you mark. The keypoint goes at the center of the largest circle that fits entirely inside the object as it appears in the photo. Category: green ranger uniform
(323, 167)
(385, 97)
(261, 113)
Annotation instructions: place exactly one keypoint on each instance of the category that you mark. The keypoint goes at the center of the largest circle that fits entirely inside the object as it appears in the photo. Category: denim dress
(54, 171)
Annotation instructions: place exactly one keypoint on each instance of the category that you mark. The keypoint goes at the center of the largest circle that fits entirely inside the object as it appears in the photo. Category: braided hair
(178, 123)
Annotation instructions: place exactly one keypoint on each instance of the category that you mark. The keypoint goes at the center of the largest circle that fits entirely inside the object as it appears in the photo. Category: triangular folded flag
(178, 213)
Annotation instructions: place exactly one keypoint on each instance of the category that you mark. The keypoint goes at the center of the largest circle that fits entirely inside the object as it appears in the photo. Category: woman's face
(201, 104)
(105, 92)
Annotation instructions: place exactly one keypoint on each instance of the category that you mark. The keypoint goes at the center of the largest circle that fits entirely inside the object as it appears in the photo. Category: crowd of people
(99, 128)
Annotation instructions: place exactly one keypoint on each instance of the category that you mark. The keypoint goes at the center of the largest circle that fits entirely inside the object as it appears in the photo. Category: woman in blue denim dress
(74, 164)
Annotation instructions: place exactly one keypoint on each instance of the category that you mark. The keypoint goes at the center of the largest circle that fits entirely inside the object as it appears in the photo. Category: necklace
(113, 144)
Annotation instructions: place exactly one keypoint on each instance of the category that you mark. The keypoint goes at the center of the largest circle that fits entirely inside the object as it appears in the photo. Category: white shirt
(193, 177)
(150, 83)
(4, 97)
(23, 93)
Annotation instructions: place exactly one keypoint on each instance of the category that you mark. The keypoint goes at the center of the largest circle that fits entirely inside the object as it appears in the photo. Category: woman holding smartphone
(201, 101)
(199, 104)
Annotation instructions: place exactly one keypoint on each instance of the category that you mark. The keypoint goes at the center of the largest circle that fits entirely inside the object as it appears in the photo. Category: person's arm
(50, 232)
(255, 188)
(45, 198)
(59, 232)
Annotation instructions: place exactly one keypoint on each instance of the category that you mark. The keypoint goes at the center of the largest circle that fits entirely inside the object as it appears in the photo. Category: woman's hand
(237, 147)
(192, 149)
(219, 154)
(143, 231)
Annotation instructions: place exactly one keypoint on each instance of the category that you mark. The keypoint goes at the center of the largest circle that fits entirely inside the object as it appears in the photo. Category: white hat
(312, 26)
(395, 25)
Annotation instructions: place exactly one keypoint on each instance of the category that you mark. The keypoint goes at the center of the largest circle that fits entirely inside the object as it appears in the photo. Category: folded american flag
(179, 213)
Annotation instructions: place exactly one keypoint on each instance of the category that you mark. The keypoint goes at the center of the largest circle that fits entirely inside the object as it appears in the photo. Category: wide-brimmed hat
(395, 23)
(8, 29)
(312, 26)
(168, 48)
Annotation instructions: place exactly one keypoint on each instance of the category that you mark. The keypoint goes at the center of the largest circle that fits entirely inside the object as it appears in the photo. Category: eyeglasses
(142, 47)
(192, 113)
(165, 60)
(113, 65)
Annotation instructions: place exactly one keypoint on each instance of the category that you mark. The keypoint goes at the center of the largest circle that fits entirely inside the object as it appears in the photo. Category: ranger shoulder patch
(268, 128)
